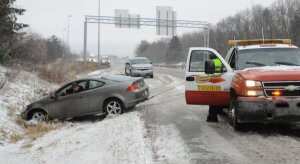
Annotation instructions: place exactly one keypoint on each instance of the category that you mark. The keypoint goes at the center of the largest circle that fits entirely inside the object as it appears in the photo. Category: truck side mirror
(209, 67)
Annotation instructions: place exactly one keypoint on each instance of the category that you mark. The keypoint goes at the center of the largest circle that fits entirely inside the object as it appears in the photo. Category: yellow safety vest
(218, 64)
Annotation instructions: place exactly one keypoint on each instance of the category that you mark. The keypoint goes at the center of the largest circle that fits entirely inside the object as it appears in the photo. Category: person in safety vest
(213, 110)
(217, 62)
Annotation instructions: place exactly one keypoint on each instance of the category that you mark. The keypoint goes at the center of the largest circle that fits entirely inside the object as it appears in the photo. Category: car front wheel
(38, 116)
(233, 115)
(113, 107)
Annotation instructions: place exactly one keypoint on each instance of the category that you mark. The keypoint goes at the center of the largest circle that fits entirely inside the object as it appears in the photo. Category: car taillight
(133, 87)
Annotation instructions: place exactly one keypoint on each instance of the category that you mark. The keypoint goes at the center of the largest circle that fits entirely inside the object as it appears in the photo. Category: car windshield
(268, 57)
(140, 61)
(118, 78)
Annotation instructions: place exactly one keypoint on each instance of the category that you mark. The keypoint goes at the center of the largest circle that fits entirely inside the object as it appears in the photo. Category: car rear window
(118, 78)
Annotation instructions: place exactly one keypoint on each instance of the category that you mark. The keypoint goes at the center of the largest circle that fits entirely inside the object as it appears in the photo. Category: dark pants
(213, 113)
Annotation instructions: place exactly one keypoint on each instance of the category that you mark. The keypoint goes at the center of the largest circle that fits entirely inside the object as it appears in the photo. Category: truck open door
(205, 83)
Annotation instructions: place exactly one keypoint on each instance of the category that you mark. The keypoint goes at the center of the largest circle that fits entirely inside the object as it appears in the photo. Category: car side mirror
(151, 62)
(209, 67)
(52, 95)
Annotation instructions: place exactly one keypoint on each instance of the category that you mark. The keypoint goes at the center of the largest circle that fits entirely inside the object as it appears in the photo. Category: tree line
(280, 20)
(26, 46)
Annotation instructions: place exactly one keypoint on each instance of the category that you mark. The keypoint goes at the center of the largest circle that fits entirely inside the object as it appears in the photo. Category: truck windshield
(268, 57)
(140, 61)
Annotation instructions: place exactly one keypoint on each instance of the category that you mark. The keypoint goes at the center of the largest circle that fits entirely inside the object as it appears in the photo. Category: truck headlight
(252, 83)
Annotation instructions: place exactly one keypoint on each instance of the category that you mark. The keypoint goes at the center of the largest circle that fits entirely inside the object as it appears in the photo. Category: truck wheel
(233, 115)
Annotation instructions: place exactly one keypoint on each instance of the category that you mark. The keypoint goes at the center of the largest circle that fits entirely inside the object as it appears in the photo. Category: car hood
(40, 102)
(272, 73)
(142, 65)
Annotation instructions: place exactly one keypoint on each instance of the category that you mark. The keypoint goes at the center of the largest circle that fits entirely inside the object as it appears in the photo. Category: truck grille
(286, 88)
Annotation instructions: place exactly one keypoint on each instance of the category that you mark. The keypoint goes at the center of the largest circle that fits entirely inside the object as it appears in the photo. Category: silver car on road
(139, 66)
(97, 94)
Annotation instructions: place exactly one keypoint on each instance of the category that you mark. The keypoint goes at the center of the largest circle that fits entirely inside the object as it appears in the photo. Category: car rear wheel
(113, 107)
(38, 115)
(233, 115)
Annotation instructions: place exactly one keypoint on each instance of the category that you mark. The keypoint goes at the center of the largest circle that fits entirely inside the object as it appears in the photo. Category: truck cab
(259, 81)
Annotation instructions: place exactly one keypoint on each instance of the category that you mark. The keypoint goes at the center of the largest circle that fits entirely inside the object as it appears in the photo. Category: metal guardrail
(173, 66)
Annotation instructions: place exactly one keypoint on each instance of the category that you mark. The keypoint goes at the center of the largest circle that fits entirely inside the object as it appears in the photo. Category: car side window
(73, 88)
(95, 84)
(62, 91)
(198, 58)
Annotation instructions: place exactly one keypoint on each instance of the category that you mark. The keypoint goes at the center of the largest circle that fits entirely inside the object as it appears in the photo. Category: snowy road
(211, 142)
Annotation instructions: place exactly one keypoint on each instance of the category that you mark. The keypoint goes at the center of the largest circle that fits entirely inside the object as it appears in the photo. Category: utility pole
(99, 32)
(68, 39)
(63, 43)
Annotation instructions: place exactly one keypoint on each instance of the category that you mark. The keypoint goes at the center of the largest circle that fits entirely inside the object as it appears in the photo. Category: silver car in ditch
(98, 94)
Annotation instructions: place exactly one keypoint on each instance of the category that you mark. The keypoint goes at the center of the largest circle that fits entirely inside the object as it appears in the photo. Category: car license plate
(209, 87)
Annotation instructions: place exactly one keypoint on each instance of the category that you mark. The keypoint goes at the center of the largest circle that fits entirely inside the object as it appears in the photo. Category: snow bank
(14, 98)
(114, 140)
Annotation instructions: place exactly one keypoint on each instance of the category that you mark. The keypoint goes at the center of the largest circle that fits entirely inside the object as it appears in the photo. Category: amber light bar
(258, 41)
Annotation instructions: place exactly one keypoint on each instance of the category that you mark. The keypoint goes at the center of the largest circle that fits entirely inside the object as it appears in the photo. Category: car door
(95, 95)
(207, 89)
(69, 105)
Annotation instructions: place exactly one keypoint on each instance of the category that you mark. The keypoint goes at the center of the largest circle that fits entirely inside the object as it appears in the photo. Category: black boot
(212, 114)
(212, 118)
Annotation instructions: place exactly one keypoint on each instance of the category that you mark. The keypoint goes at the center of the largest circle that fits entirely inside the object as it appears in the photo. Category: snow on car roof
(138, 58)
(266, 46)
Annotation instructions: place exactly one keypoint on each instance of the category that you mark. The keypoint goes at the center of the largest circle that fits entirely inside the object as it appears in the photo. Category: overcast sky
(50, 17)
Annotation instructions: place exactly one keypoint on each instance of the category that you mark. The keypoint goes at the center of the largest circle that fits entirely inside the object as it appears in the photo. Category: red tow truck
(259, 81)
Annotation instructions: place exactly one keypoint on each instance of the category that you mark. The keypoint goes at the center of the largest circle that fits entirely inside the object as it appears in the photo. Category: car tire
(126, 72)
(151, 76)
(234, 114)
(38, 115)
(113, 107)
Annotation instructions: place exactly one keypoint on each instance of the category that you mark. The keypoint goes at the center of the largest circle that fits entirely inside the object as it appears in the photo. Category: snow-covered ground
(121, 139)
(14, 98)
(113, 140)
(161, 130)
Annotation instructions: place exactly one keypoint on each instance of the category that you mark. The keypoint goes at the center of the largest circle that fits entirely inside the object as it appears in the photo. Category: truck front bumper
(268, 110)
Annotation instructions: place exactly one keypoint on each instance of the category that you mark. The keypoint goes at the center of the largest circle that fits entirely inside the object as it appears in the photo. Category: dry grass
(15, 137)
(61, 71)
(38, 130)
(3, 134)
(35, 131)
